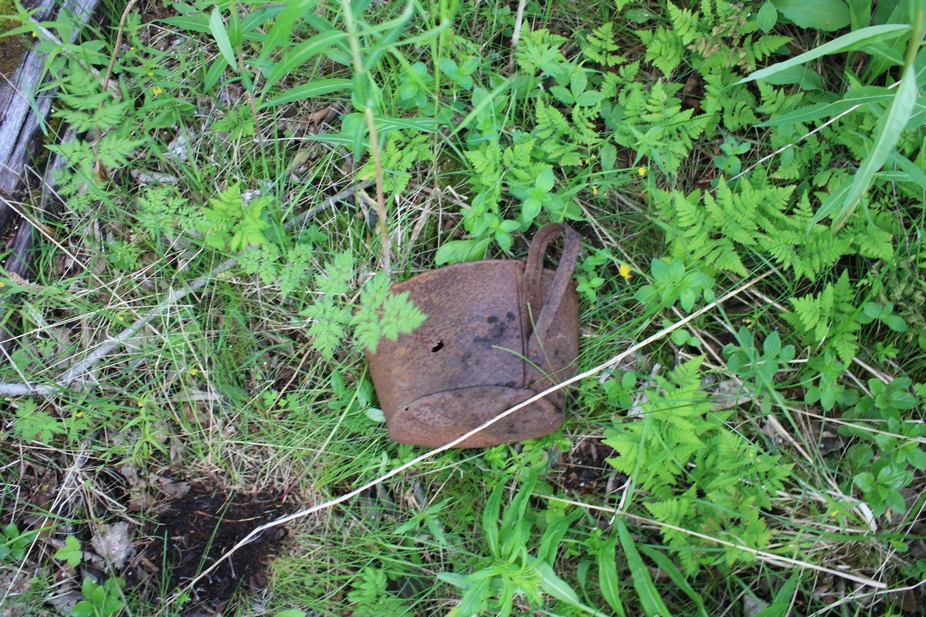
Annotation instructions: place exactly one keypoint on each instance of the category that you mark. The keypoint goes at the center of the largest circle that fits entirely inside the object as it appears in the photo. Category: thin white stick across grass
(431, 453)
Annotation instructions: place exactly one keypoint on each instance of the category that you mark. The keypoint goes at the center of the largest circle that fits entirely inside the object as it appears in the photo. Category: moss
(11, 51)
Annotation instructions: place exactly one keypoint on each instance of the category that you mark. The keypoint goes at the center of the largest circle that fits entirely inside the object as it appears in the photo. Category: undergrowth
(249, 178)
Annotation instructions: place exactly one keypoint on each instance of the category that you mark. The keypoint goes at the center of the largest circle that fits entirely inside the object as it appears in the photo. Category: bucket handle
(533, 272)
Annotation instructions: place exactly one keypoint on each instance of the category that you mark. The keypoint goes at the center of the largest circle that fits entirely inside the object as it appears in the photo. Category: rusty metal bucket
(497, 333)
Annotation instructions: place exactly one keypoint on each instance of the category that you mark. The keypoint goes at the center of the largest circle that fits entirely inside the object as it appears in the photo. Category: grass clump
(242, 183)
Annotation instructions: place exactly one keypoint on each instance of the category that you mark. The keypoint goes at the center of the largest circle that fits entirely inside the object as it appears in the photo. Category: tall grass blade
(652, 603)
(887, 133)
(847, 42)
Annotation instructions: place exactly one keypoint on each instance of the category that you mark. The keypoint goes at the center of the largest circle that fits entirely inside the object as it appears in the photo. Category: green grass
(227, 386)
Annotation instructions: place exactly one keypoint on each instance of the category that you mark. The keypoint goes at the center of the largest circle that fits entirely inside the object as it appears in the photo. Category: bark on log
(22, 127)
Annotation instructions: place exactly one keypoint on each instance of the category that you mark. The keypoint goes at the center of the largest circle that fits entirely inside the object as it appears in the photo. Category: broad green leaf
(639, 16)
(217, 28)
(865, 481)
(650, 600)
(301, 54)
(887, 133)
(860, 96)
(197, 23)
(457, 251)
(835, 197)
(307, 91)
(767, 17)
(826, 15)
(473, 598)
(291, 613)
(607, 575)
(805, 77)
(847, 42)
(457, 580)
(555, 586)
(545, 180)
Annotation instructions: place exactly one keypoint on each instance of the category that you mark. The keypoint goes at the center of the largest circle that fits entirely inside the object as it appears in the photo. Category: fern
(828, 317)
(682, 448)
(653, 123)
(720, 35)
(380, 314)
(600, 46)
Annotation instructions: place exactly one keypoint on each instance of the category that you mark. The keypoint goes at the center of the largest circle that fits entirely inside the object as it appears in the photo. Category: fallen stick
(347, 496)
(75, 372)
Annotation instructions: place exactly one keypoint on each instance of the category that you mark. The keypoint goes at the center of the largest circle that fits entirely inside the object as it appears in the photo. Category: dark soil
(588, 469)
(197, 529)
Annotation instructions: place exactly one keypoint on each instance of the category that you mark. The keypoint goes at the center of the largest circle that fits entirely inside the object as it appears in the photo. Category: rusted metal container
(497, 333)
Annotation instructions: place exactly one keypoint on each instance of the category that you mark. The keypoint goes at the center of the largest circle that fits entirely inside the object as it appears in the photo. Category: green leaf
(867, 95)
(847, 42)
(70, 552)
(457, 251)
(767, 17)
(650, 600)
(307, 91)
(473, 599)
(302, 53)
(551, 583)
(490, 519)
(607, 575)
(887, 133)
(894, 322)
(217, 28)
(283, 25)
(826, 15)
(666, 565)
(865, 481)
(291, 613)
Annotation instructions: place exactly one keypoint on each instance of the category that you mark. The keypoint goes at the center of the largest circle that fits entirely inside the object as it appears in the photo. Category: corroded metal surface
(497, 333)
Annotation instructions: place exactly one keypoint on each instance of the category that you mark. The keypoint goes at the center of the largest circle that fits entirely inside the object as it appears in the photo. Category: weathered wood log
(22, 127)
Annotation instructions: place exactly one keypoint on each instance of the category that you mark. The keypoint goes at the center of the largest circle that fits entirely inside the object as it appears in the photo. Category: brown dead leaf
(172, 488)
(693, 93)
(114, 543)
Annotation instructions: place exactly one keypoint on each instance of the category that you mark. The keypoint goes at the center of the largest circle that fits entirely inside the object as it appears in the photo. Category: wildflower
(79, 414)
(625, 272)
(594, 190)
(2, 284)
(194, 372)
(748, 323)
(34, 35)
(642, 171)
(156, 90)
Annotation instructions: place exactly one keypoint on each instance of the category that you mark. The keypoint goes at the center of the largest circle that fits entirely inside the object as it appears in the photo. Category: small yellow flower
(194, 372)
(748, 323)
(2, 284)
(140, 403)
(79, 414)
(594, 190)
(156, 90)
(642, 171)
(625, 272)
(34, 35)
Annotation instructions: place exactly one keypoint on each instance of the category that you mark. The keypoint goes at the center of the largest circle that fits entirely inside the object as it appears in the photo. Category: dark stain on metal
(430, 399)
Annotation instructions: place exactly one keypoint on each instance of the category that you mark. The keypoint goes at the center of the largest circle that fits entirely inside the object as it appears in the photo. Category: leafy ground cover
(243, 181)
